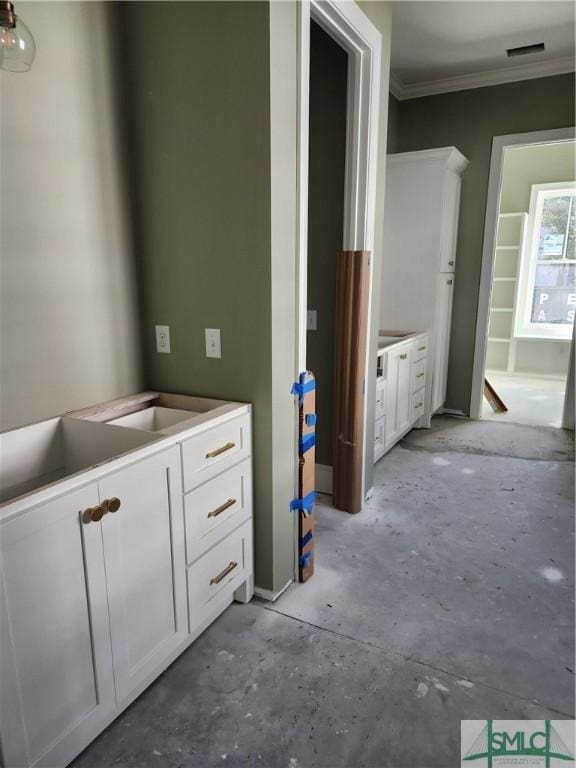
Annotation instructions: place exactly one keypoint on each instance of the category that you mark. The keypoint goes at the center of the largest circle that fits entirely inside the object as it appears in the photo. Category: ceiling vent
(524, 50)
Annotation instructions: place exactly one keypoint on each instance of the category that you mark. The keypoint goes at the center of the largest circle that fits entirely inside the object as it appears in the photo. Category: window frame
(523, 326)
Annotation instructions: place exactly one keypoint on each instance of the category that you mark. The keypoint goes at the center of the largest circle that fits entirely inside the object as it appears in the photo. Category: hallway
(449, 597)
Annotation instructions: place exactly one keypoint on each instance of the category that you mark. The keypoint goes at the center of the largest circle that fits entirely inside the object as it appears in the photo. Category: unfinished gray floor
(449, 597)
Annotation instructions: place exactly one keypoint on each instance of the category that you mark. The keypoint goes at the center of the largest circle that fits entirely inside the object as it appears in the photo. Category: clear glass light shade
(17, 47)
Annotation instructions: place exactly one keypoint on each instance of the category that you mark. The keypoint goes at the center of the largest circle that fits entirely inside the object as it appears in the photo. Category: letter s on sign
(497, 739)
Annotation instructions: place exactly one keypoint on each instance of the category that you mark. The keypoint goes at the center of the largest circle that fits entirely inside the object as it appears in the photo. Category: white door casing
(499, 144)
(355, 33)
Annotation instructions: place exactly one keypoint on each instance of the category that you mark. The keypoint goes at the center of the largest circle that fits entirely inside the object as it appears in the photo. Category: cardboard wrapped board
(306, 477)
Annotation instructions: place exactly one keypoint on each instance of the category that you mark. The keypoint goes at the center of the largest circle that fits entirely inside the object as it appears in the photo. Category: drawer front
(217, 507)
(418, 404)
(380, 400)
(226, 565)
(379, 438)
(420, 350)
(418, 375)
(211, 452)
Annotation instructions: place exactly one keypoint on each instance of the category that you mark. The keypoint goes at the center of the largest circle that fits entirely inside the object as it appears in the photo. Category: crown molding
(500, 76)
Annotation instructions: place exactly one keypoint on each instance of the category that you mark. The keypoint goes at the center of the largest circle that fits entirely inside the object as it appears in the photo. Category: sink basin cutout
(40, 454)
(153, 419)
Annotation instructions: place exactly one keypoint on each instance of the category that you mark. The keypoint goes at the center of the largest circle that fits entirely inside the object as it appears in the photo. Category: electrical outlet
(311, 323)
(163, 338)
(213, 346)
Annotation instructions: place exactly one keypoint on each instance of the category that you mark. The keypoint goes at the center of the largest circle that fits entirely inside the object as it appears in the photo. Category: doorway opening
(351, 215)
(326, 181)
(529, 320)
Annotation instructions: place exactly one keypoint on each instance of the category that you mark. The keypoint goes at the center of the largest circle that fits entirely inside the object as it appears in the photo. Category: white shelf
(507, 247)
(501, 309)
(496, 338)
(504, 279)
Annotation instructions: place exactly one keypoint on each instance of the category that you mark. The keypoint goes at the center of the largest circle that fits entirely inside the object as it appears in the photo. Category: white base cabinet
(108, 575)
(400, 389)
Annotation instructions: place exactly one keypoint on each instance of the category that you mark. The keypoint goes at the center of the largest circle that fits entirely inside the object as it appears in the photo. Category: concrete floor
(532, 401)
(449, 597)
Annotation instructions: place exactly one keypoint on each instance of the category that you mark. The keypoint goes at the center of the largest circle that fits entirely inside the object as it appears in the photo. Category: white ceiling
(459, 44)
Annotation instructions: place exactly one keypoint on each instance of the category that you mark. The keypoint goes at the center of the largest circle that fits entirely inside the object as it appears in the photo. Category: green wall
(393, 119)
(524, 166)
(199, 113)
(328, 79)
(468, 120)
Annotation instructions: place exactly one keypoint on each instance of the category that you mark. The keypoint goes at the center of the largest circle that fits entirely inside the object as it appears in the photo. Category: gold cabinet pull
(94, 514)
(229, 568)
(221, 508)
(218, 451)
(419, 405)
(404, 356)
(449, 282)
(421, 349)
(451, 263)
(112, 505)
(419, 375)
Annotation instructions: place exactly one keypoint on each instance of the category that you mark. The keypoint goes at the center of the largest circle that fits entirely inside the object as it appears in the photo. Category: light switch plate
(213, 345)
(163, 338)
(311, 322)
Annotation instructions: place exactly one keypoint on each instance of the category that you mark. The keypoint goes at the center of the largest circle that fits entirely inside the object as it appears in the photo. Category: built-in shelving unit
(501, 352)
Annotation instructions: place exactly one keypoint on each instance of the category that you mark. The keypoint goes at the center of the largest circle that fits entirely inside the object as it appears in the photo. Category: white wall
(68, 296)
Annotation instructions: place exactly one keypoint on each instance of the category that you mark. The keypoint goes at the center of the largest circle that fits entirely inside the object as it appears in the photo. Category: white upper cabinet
(419, 254)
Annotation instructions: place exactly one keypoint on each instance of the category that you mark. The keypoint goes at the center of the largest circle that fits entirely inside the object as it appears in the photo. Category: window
(546, 297)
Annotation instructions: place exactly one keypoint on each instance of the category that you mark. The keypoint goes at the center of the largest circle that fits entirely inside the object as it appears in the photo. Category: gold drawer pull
(421, 349)
(449, 282)
(218, 451)
(221, 508)
(404, 356)
(419, 405)
(229, 568)
(419, 375)
(451, 263)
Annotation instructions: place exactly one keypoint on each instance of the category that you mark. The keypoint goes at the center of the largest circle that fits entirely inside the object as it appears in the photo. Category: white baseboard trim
(267, 594)
(324, 479)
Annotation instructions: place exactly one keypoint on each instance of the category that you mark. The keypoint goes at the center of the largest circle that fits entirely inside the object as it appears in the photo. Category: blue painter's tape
(307, 442)
(305, 539)
(304, 560)
(306, 504)
(311, 419)
(301, 389)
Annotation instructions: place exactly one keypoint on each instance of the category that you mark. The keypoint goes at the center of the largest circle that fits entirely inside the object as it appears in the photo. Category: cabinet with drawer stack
(125, 530)
(400, 388)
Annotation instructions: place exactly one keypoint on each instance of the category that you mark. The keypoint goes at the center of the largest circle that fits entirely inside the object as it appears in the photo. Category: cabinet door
(450, 211)
(145, 567)
(404, 390)
(442, 342)
(55, 657)
(398, 402)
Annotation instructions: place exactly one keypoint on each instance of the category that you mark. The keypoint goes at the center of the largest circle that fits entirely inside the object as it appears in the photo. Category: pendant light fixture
(17, 47)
